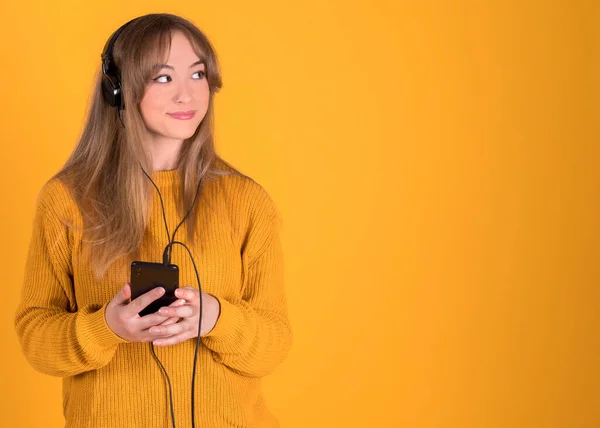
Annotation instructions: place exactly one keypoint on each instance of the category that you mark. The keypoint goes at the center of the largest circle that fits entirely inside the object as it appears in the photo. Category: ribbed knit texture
(109, 382)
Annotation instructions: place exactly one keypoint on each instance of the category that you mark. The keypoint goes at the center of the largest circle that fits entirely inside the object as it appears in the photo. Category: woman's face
(176, 99)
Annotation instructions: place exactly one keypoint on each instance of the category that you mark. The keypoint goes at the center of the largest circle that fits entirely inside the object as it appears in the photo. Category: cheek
(202, 92)
(145, 107)
(151, 103)
(203, 98)
(150, 110)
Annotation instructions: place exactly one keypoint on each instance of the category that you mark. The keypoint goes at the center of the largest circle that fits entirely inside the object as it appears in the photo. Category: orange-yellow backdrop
(436, 168)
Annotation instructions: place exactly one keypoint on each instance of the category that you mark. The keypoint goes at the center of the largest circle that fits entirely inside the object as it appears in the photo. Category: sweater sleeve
(252, 335)
(56, 336)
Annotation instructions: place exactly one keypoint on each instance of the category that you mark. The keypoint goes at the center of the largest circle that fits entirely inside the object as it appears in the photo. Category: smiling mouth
(183, 115)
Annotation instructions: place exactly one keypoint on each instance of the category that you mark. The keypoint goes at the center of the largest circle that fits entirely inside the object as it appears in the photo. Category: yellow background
(436, 166)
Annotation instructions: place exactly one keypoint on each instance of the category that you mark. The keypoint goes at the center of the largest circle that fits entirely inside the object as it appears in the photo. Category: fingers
(187, 293)
(170, 321)
(184, 311)
(122, 296)
(171, 330)
(124, 320)
(173, 340)
(144, 300)
(150, 320)
(179, 302)
(156, 318)
(173, 320)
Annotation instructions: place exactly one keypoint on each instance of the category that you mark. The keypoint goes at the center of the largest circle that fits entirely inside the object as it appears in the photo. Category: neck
(164, 153)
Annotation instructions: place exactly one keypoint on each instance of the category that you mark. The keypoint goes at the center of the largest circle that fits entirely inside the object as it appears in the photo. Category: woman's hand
(189, 313)
(123, 319)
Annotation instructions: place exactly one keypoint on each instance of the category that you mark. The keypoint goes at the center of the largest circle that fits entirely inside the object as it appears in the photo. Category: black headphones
(111, 76)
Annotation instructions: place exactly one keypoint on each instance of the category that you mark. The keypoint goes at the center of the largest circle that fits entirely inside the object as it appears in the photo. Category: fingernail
(160, 291)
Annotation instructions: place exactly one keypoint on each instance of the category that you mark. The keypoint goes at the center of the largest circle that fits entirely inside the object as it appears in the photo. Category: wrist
(211, 308)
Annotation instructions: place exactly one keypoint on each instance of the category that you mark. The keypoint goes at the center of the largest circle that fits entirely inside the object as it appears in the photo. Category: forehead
(182, 50)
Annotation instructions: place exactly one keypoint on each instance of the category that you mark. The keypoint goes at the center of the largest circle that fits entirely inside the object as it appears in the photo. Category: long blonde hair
(103, 172)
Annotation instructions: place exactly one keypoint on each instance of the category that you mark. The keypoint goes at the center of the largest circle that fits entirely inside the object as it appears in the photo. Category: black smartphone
(146, 275)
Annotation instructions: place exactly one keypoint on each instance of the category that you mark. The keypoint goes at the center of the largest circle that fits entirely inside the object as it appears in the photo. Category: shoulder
(246, 194)
(55, 200)
(254, 215)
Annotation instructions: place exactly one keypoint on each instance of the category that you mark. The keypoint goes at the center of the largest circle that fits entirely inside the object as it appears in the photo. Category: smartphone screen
(145, 276)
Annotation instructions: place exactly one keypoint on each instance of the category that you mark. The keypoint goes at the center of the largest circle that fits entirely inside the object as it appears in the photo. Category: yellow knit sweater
(109, 382)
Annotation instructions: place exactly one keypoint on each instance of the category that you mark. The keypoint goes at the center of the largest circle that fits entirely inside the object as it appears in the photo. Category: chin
(182, 134)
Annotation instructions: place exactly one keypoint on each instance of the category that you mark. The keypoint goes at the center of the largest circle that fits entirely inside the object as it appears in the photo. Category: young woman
(143, 171)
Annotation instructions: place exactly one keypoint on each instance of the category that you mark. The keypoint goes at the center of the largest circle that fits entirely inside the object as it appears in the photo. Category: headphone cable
(167, 253)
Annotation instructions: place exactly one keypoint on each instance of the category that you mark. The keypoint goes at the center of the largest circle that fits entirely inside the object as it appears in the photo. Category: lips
(183, 115)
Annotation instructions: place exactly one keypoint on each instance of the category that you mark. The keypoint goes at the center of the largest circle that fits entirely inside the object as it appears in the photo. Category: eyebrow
(161, 66)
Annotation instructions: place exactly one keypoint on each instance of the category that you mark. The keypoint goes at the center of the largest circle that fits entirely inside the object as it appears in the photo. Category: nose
(183, 93)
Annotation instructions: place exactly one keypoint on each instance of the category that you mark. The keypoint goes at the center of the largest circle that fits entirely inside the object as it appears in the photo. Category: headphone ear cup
(111, 89)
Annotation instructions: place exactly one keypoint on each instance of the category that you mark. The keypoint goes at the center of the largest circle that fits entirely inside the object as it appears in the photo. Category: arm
(252, 335)
(57, 338)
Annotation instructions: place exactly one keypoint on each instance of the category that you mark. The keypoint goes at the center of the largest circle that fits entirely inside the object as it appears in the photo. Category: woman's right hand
(123, 319)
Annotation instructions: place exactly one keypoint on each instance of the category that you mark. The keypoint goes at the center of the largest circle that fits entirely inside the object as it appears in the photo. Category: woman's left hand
(187, 327)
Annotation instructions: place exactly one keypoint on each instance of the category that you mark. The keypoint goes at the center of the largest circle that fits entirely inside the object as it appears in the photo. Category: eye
(164, 76)
(201, 73)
